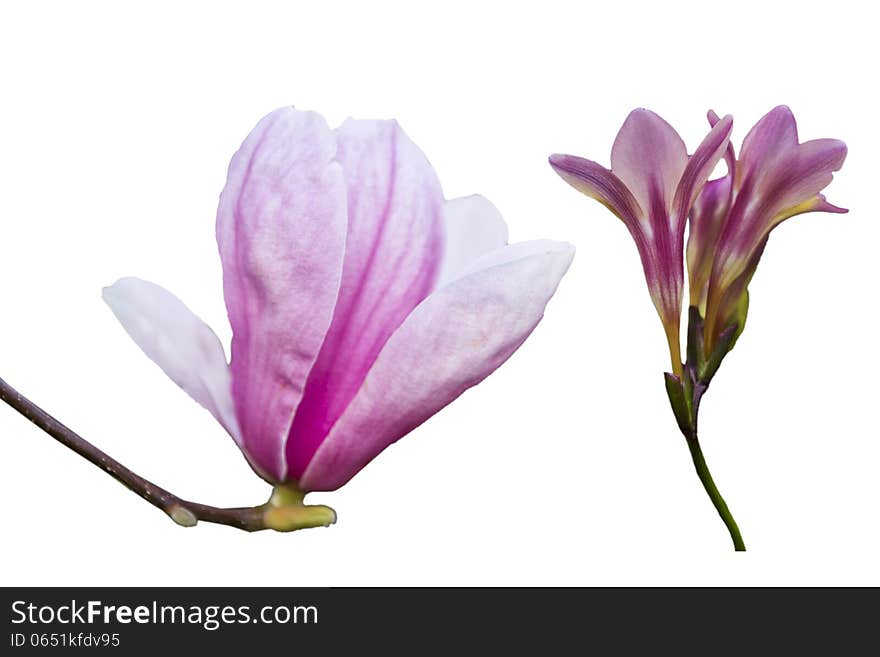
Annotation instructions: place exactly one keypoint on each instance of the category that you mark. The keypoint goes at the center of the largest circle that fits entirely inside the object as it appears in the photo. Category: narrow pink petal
(281, 228)
(393, 252)
(729, 154)
(706, 223)
(649, 157)
(472, 227)
(599, 183)
(698, 169)
(452, 341)
(186, 348)
(649, 226)
(707, 218)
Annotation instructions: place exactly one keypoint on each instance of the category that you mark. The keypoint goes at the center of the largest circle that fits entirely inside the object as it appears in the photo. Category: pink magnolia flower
(652, 186)
(361, 302)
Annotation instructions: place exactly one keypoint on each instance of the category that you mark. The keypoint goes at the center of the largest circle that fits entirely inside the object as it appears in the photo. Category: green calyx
(685, 391)
(286, 512)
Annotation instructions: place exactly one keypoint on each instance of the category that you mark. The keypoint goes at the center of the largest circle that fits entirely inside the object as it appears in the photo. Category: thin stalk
(718, 501)
(283, 512)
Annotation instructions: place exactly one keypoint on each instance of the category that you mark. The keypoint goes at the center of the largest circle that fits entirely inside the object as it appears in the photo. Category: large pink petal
(186, 348)
(392, 257)
(773, 137)
(649, 157)
(804, 173)
(281, 228)
(452, 341)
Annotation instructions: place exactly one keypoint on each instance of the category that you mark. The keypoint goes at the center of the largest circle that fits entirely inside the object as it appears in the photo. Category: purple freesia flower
(775, 178)
(655, 188)
(361, 302)
(651, 187)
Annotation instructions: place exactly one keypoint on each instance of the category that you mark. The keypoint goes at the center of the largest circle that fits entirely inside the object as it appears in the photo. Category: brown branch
(278, 513)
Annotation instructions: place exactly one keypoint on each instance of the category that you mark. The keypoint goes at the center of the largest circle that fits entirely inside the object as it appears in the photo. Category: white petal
(176, 340)
(473, 227)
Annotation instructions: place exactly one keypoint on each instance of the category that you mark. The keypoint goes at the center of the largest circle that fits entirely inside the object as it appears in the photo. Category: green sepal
(742, 311)
(678, 398)
(722, 348)
(695, 356)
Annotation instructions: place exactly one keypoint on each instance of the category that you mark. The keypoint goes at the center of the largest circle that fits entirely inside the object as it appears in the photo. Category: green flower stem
(709, 484)
(283, 512)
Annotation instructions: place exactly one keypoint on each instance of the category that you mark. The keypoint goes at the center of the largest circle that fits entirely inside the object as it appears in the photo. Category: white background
(564, 467)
